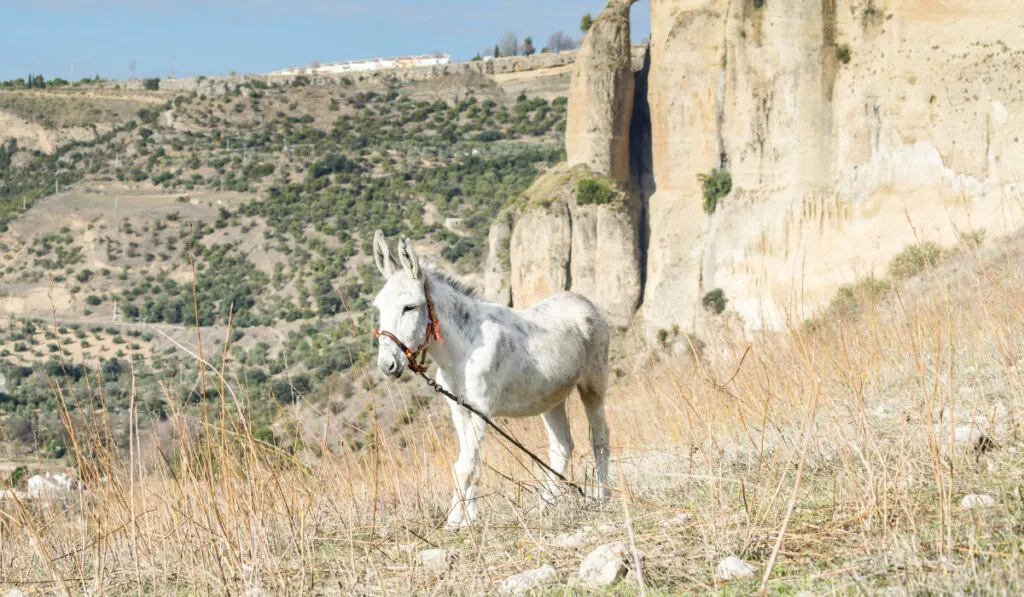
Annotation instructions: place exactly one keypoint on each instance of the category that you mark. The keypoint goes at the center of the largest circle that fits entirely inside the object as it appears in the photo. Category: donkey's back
(543, 352)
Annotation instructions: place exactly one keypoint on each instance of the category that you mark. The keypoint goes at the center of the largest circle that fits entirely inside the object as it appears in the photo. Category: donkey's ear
(382, 255)
(407, 255)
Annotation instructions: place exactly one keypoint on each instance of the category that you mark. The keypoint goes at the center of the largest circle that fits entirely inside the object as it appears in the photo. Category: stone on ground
(977, 500)
(606, 565)
(436, 560)
(577, 539)
(733, 568)
(524, 582)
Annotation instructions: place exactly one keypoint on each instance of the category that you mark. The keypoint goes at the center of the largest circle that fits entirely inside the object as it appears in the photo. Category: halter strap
(417, 358)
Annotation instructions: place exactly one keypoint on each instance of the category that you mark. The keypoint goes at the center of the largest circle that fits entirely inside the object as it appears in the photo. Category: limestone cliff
(849, 128)
(601, 96)
(573, 230)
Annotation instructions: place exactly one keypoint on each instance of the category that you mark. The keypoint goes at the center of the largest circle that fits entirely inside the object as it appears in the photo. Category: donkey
(501, 361)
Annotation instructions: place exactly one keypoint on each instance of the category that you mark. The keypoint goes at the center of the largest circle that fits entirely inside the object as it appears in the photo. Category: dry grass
(825, 456)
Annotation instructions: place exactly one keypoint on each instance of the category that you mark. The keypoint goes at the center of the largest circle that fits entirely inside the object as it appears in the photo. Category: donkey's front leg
(466, 472)
(559, 452)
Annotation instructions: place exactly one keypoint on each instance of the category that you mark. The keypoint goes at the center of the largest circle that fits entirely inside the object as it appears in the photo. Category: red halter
(417, 358)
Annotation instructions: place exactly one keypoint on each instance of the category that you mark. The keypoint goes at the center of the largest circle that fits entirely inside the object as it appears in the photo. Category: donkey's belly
(520, 405)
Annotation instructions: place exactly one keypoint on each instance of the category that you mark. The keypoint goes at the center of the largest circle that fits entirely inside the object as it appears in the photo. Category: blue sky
(214, 37)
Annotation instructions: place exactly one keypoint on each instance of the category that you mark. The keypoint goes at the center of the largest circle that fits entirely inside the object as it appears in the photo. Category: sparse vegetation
(818, 414)
(715, 301)
(914, 259)
(851, 298)
(367, 159)
(593, 192)
(715, 185)
(843, 53)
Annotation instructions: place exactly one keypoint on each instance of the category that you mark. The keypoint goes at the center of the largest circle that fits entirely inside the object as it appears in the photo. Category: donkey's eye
(408, 308)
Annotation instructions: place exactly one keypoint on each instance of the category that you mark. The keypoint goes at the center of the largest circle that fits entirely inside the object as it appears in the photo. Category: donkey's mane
(438, 276)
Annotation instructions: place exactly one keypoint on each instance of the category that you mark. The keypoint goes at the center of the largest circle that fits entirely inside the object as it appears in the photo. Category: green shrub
(851, 297)
(843, 53)
(93, 300)
(972, 240)
(715, 185)
(914, 259)
(151, 84)
(19, 478)
(715, 301)
(592, 192)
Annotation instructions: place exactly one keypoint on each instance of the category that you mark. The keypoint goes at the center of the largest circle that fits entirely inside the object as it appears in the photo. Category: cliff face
(601, 96)
(853, 129)
(565, 238)
(850, 129)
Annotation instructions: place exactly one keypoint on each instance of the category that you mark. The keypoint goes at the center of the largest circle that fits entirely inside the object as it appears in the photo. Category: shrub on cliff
(716, 185)
(592, 192)
(843, 53)
(715, 301)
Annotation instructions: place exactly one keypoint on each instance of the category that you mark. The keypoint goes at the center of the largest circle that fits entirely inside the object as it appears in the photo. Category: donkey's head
(401, 304)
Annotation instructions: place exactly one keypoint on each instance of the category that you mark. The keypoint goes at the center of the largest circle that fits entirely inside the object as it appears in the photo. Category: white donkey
(503, 362)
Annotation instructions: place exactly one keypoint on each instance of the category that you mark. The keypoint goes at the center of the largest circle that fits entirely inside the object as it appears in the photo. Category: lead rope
(417, 363)
(440, 390)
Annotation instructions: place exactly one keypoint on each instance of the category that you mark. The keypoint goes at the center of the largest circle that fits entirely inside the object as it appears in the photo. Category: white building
(361, 66)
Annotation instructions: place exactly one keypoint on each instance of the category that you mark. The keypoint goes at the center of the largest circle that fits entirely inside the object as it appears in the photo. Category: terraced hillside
(248, 212)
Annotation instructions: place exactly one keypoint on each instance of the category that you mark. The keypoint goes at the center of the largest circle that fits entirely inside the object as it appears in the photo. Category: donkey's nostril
(392, 366)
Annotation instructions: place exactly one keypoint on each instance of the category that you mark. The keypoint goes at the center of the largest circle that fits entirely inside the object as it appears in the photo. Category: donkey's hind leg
(592, 393)
(559, 450)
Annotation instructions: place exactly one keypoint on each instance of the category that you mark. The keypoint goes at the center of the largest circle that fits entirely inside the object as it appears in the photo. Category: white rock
(607, 529)
(977, 500)
(733, 568)
(14, 593)
(577, 539)
(678, 519)
(524, 582)
(436, 560)
(48, 485)
(606, 565)
(967, 433)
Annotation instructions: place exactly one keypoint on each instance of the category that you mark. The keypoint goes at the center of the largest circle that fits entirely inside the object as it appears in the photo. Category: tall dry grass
(826, 455)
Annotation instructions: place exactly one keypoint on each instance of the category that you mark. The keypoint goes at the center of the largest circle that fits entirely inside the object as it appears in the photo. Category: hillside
(876, 450)
(120, 208)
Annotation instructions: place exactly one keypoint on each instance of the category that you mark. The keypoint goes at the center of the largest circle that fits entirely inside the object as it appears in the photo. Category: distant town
(365, 65)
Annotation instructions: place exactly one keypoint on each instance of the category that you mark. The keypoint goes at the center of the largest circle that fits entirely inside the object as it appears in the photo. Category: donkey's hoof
(597, 497)
(457, 525)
